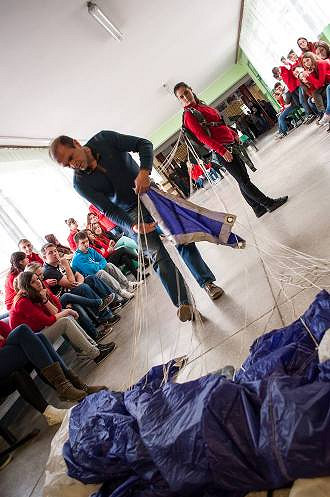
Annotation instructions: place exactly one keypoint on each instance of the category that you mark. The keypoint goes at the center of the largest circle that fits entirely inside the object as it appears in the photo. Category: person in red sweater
(95, 216)
(322, 50)
(27, 247)
(221, 139)
(41, 310)
(305, 45)
(18, 261)
(73, 227)
(319, 77)
(295, 95)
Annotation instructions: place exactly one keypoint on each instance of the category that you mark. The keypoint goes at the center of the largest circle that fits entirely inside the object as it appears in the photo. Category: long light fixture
(105, 22)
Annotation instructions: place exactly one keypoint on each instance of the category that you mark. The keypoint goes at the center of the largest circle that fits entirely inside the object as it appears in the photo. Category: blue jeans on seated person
(100, 288)
(282, 125)
(85, 301)
(24, 347)
(327, 91)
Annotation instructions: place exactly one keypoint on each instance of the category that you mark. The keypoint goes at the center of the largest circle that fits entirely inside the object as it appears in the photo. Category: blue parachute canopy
(213, 437)
(187, 222)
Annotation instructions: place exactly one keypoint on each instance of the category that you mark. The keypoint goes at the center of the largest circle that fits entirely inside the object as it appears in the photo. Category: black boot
(276, 203)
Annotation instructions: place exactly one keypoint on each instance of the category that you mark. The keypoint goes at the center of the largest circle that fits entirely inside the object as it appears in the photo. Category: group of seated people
(70, 292)
(303, 81)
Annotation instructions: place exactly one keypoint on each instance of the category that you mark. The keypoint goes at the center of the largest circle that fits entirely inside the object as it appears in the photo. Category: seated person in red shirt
(26, 246)
(305, 45)
(18, 262)
(322, 50)
(38, 307)
(318, 76)
(73, 227)
(286, 109)
(21, 348)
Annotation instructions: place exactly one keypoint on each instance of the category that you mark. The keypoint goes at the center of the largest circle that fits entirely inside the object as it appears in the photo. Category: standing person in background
(73, 227)
(26, 246)
(18, 262)
(107, 176)
(223, 140)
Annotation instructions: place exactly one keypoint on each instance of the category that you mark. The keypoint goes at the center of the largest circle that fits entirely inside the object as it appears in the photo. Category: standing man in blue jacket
(107, 176)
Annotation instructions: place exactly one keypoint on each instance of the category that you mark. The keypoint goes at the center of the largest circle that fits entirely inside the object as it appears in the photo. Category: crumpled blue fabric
(212, 437)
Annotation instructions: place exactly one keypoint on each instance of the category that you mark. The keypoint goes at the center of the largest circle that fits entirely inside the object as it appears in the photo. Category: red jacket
(219, 134)
(323, 77)
(4, 332)
(104, 221)
(24, 311)
(288, 77)
(281, 101)
(34, 257)
(72, 243)
(9, 290)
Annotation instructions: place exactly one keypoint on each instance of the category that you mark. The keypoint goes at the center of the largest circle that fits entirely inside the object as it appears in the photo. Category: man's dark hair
(60, 140)
(80, 235)
(277, 85)
(45, 247)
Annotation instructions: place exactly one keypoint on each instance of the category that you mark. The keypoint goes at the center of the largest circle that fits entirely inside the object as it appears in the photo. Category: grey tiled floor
(298, 166)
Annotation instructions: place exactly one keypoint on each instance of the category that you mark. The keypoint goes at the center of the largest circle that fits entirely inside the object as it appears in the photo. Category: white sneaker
(53, 415)
(126, 294)
(133, 285)
(325, 119)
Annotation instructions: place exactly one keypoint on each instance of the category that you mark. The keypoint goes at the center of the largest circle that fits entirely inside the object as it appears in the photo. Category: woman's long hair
(23, 288)
(15, 262)
(103, 237)
(309, 45)
(314, 59)
(324, 45)
(182, 83)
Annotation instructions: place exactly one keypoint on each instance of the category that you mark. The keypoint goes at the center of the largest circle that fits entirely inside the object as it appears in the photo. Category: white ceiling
(61, 72)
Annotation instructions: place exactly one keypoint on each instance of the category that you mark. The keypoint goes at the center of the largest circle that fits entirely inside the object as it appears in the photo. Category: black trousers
(253, 196)
(124, 255)
(21, 381)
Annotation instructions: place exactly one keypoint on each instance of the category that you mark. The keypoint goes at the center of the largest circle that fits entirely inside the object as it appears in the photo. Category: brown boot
(66, 391)
(76, 382)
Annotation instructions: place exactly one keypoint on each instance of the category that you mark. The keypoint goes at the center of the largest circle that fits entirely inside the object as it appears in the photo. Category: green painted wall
(211, 93)
(325, 35)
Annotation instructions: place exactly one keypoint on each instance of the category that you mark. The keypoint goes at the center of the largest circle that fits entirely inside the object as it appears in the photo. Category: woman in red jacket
(223, 140)
(38, 307)
(319, 78)
(18, 261)
(305, 45)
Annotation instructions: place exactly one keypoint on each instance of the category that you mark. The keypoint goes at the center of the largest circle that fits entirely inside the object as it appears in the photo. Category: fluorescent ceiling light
(102, 19)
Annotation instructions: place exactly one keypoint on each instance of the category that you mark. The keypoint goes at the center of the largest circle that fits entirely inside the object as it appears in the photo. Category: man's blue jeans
(168, 273)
